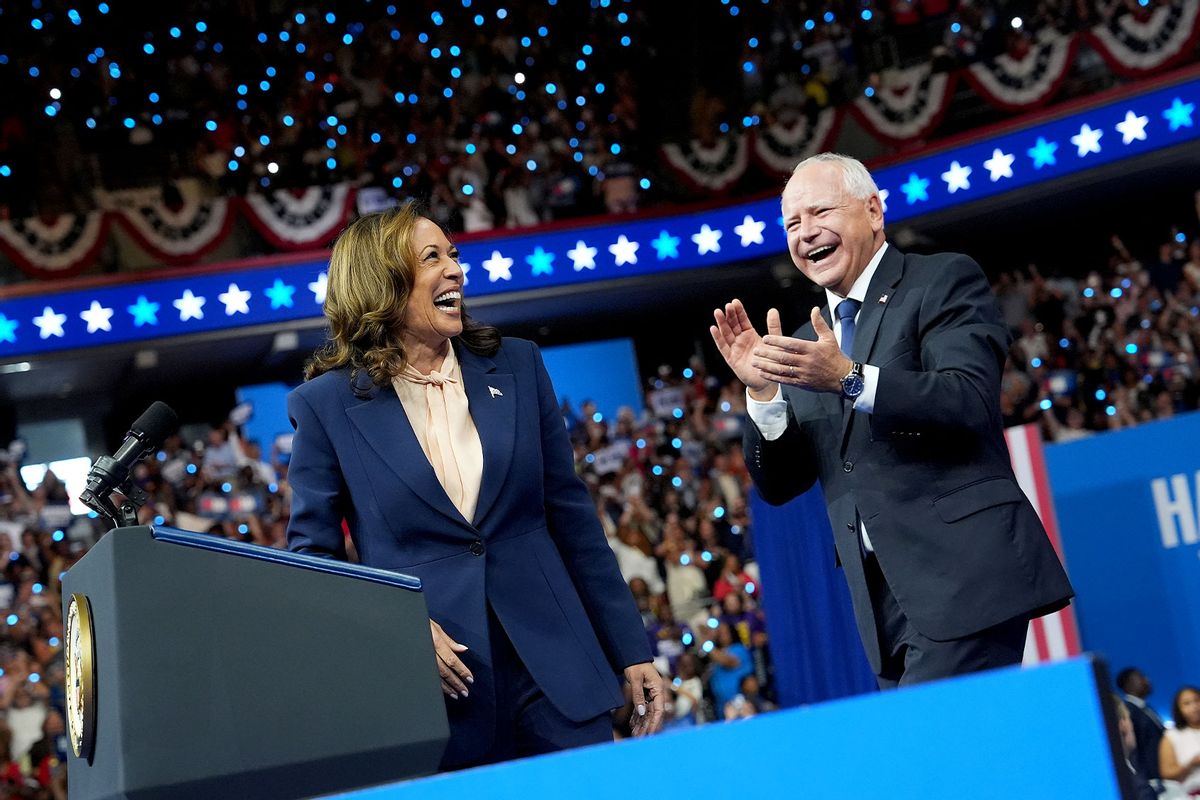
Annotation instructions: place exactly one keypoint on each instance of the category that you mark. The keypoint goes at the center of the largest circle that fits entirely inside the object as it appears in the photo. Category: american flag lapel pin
(883, 298)
(495, 392)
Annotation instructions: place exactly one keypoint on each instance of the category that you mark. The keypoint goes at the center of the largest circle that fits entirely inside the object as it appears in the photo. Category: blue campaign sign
(1128, 504)
(556, 256)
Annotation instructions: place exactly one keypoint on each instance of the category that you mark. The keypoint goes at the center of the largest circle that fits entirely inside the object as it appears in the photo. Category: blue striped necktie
(846, 311)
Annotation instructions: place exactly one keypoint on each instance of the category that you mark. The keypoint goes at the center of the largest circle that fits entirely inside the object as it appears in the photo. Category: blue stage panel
(1015, 733)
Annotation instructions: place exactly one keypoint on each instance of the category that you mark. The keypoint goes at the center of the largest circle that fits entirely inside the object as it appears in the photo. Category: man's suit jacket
(535, 552)
(928, 472)
(1148, 732)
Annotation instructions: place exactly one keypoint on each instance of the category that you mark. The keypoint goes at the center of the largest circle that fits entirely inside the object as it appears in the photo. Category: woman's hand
(646, 686)
(450, 667)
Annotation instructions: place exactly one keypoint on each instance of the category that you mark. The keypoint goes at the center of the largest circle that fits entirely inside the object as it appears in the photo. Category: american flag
(1055, 636)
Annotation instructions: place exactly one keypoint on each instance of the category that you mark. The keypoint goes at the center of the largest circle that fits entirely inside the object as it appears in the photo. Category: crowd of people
(1106, 348)
(1163, 760)
(498, 117)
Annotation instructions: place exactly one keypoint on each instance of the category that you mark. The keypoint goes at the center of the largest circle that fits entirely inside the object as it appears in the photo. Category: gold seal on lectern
(81, 677)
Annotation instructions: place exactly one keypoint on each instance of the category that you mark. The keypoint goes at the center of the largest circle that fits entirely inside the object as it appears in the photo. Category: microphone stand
(124, 516)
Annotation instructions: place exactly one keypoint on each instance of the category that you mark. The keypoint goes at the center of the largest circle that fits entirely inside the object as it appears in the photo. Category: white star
(1132, 127)
(97, 317)
(465, 267)
(707, 240)
(498, 267)
(883, 196)
(583, 257)
(624, 251)
(49, 323)
(957, 177)
(750, 230)
(235, 300)
(189, 306)
(1087, 140)
(1000, 164)
(318, 288)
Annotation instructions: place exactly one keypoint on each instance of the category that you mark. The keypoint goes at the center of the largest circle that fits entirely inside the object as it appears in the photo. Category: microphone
(109, 473)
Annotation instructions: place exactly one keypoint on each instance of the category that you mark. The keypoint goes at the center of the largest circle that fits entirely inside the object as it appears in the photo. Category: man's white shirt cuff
(769, 415)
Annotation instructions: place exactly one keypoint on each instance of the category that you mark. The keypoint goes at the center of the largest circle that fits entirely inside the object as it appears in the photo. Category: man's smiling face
(831, 234)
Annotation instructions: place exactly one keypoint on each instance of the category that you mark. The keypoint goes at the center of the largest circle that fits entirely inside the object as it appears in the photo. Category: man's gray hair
(855, 177)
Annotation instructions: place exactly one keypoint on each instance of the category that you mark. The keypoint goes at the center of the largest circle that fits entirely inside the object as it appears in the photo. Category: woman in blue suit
(442, 448)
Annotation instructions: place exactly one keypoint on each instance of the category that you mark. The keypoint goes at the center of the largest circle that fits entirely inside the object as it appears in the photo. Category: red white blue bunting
(179, 236)
(58, 248)
(1137, 43)
(302, 221)
(778, 148)
(907, 105)
(1017, 85)
(713, 168)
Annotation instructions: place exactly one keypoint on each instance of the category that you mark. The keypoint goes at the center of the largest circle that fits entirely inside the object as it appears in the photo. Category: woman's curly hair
(371, 274)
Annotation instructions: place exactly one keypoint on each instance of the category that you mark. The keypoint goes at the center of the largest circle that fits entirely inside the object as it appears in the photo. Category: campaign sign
(1128, 506)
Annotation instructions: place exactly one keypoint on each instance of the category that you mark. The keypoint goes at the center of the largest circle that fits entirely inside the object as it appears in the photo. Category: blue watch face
(852, 385)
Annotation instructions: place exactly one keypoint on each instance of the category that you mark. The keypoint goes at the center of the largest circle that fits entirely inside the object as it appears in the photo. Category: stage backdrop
(1128, 504)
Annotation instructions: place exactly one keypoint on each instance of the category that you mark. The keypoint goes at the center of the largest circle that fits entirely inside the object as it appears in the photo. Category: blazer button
(849, 526)
(848, 466)
(477, 547)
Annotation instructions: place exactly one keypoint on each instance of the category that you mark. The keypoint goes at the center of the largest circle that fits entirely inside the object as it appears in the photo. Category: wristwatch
(853, 384)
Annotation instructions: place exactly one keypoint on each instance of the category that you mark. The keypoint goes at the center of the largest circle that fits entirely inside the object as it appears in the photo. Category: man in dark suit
(890, 398)
(1147, 724)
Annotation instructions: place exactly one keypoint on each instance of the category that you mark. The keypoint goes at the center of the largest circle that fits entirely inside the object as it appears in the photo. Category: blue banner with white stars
(1109, 132)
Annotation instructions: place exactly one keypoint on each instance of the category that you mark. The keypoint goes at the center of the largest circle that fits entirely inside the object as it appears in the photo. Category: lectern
(199, 667)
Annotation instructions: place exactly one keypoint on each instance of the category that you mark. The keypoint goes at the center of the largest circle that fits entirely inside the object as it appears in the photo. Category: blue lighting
(148, 49)
(288, 120)
(615, 149)
(1101, 394)
(264, 140)
(1112, 410)
(1131, 348)
(1035, 362)
(657, 469)
(201, 26)
(1045, 404)
(233, 166)
(175, 32)
(828, 16)
(597, 417)
(677, 482)
(190, 469)
(468, 189)
(677, 413)
(626, 41)
(1089, 292)
(130, 123)
(1116, 292)
(331, 163)
(677, 443)
(866, 14)
(470, 148)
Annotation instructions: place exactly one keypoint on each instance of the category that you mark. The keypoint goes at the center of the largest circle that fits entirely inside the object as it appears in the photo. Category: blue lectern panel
(205, 541)
(1034, 733)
